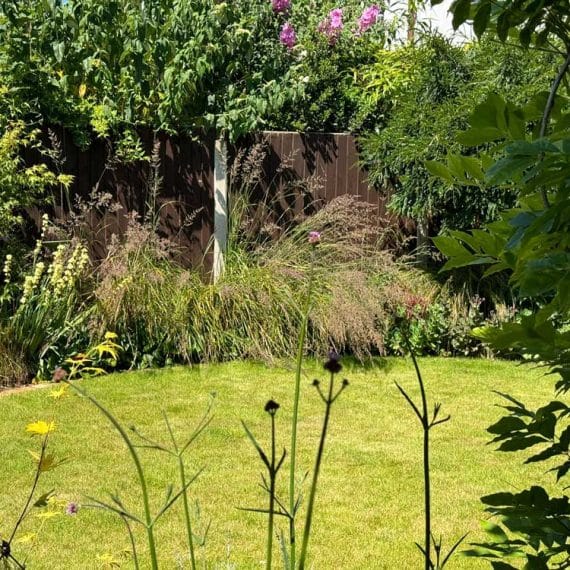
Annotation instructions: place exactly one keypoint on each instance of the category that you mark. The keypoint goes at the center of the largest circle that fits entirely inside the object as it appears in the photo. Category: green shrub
(21, 185)
(424, 96)
(443, 325)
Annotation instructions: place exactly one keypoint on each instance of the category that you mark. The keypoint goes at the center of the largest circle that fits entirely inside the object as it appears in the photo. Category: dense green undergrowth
(364, 299)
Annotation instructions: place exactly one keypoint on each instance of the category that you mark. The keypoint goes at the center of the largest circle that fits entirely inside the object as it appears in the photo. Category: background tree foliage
(425, 106)
(170, 65)
(531, 242)
(175, 66)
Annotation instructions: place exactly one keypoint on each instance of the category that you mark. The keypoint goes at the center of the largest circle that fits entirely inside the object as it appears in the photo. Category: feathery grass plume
(144, 296)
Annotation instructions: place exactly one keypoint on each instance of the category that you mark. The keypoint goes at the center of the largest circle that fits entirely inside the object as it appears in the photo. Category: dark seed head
(332, 364)
(271, 407)
(345, 382)
(5, 550)
(316, 382)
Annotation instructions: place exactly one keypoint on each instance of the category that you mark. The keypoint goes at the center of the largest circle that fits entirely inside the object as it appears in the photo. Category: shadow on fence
(299, 173)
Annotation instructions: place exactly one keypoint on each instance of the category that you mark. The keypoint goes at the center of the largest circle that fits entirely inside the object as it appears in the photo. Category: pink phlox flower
(335, 17)
(368, 18)
(288, 37)
(281, 6)
(332, 25)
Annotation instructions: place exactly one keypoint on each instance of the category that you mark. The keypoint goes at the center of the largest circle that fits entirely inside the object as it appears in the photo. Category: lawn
(369, 504)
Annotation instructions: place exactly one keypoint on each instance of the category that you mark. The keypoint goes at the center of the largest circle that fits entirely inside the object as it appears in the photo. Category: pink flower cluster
(369, 18)
(332, 25)
(288, 37)
(281, 6)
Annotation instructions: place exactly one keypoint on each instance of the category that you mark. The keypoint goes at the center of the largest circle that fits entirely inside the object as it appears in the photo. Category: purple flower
(287, 36)
(281, 6)
(332, 25)
(369, 18)
(314, 238)
(335, 18)
(332, 364)
(72, 509)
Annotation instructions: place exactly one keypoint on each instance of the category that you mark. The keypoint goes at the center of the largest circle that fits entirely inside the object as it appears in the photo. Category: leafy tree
(531, 242)
(181, 65)
(425, 94)
(170, 65)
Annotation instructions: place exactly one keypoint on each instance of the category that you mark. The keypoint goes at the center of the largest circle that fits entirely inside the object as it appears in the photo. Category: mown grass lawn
(369, 505)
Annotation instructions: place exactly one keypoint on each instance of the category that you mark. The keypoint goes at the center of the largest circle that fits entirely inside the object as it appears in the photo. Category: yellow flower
(26, 538)
(111, 336)
(59, 393)
(40, 427)
(108, 561)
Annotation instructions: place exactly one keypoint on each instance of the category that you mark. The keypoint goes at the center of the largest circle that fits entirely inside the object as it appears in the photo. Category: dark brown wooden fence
(304, 170)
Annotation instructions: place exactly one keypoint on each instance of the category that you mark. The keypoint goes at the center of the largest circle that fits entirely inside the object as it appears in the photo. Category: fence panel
(299, 171)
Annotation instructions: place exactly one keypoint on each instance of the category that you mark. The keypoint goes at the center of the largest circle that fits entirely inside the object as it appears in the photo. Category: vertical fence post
(220, 206)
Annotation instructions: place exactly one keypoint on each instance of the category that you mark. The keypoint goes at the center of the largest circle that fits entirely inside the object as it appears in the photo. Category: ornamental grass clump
(143, 295)
(352, 309)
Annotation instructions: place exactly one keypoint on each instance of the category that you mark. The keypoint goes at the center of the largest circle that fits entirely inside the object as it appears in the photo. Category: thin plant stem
(295, 418)
(139, 469)
(427, 482)
(133, 543)
(187, 512)
(18, 564)
(307, 530)
(272, 476)
(32, 490)
(182, 472)
(548, 110)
